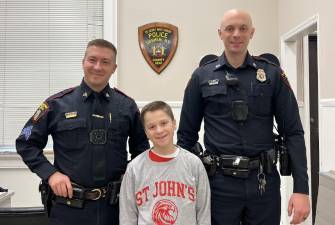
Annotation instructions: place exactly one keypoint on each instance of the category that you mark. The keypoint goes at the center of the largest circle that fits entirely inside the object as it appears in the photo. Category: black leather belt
(95, 193)
(80, 195)
(83, 193)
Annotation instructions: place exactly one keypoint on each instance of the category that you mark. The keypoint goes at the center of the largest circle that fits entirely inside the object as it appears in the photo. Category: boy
(165, 184)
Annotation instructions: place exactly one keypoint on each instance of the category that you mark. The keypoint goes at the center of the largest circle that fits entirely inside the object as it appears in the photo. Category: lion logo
(165, 212)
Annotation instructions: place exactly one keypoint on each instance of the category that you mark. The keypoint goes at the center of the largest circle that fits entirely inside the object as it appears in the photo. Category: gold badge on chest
(260, 75)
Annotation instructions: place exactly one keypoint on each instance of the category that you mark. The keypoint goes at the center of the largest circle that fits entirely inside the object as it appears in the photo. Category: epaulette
(265, 60)
(210, 61)
(122, 93)
(61, 94)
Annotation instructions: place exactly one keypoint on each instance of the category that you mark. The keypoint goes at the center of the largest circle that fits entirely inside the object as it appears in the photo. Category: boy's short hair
(156, 105)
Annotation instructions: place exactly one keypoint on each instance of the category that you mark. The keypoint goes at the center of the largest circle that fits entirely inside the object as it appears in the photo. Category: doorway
(299, 54)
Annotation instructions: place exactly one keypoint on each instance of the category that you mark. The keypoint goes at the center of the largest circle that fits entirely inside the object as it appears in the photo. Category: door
(314, 120)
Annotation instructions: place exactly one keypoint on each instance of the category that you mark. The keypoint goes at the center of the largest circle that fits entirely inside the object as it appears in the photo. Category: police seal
(158, 43)
(260, 75)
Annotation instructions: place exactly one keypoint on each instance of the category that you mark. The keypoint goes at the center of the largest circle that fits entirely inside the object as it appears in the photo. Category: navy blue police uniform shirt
(67, 117)
(208, 97)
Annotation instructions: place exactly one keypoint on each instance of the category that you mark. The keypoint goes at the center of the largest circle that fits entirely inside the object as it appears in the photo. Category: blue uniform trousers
(236, 201)
(98, 212)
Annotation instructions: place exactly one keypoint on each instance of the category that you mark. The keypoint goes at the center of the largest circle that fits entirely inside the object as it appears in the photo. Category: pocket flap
(262, 90)
(211, 90)
(71, 124)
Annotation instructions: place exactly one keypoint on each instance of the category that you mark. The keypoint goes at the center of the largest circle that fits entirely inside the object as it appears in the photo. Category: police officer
(90, 125)
(237, 96)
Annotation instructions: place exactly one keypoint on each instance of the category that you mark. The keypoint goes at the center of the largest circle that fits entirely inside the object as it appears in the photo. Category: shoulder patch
(265, 60)
(40, 112)
(62, 93)
(122, 93)
(284, 79)
(44, 107)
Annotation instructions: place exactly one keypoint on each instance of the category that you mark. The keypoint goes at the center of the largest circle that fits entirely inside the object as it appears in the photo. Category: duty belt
(81, 194)
(237, 162)
(89, 193)
(237, 166)
(95, 193)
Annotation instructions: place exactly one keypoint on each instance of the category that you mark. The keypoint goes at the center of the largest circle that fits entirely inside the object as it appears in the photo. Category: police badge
(261, 76)
(158, 43)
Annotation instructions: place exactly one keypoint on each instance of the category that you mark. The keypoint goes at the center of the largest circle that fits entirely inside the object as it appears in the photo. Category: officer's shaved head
(235, 31)
(236, 13)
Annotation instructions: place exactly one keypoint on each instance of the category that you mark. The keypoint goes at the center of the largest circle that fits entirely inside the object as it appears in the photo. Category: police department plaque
(158, 43)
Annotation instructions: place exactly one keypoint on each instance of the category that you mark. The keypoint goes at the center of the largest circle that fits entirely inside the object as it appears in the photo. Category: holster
(71, 202)
(77, 200)
(46, 196)
(210, 164)
(197, 150)
(284, 162)
(114, 191)
(268, 160)
(284, 157)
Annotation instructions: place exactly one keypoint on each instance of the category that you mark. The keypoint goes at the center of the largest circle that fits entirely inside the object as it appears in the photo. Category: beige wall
(292, 13)
(197, 21)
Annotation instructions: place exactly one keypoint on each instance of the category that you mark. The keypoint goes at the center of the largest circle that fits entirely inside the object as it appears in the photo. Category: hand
(299, 206)
(61, 185)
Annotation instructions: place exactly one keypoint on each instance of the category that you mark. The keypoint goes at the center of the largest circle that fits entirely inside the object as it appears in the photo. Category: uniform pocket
(118, 127)
(117, 141)
(212, 90)
(216, 99)
(261, 99)
(71, 133)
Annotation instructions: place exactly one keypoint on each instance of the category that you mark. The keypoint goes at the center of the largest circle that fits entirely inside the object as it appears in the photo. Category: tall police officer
(90, 125)
(238, 95)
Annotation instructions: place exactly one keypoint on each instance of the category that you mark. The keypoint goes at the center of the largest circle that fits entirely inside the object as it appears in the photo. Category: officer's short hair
(102, 43)
(156, 105)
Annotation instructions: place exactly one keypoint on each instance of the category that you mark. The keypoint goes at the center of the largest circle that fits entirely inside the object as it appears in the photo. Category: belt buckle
(99, 193)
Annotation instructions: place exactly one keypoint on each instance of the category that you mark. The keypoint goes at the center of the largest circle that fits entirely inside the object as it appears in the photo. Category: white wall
(293, 13)
(197, 21)
(290, 15)
(15, 176)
